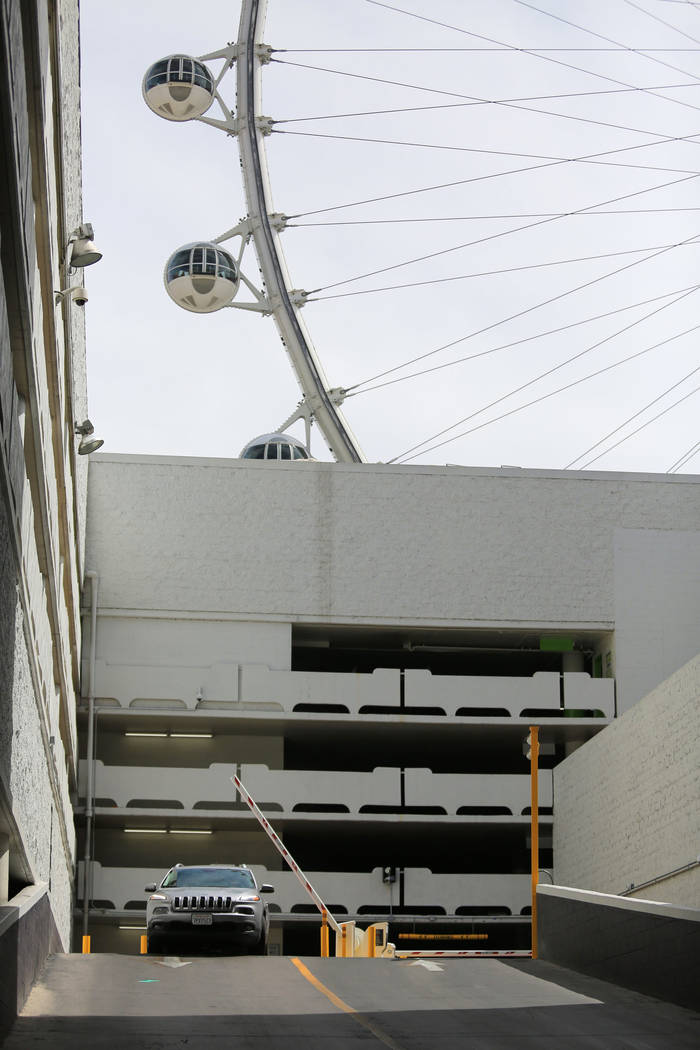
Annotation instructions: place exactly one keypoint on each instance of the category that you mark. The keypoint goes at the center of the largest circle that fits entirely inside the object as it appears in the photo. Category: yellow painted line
(345, 1007)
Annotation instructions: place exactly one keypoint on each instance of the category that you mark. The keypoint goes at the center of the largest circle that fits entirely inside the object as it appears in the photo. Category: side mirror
(267, 888)
(151, 888)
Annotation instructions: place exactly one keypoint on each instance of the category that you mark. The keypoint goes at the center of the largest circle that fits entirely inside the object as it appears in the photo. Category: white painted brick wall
(627, 803)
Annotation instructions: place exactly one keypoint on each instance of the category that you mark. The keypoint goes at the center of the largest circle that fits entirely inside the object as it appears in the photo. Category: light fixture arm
(252, 54)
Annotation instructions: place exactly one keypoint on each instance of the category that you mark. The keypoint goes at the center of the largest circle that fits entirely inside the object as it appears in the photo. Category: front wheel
(155, 944)
(260, 947)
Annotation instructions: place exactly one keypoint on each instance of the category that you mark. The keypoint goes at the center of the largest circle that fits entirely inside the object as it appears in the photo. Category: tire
(260, 947)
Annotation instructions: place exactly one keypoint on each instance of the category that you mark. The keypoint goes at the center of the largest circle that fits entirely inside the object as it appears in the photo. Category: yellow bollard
(324, 935)
(144, 944)
(86, 944)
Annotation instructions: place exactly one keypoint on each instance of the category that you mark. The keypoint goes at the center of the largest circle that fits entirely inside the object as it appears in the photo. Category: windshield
(231, 878)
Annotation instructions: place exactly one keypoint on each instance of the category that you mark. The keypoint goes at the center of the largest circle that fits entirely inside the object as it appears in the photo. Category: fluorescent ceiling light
(189, 736)
(146, 831)
(190, 831)
(132, 927)
(192, 736)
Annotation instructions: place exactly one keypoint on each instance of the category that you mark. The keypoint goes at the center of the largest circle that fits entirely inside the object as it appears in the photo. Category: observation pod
(275, 446)
(201, 277)
(178, 88)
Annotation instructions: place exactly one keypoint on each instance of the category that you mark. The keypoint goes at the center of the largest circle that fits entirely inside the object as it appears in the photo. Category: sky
(555, 299)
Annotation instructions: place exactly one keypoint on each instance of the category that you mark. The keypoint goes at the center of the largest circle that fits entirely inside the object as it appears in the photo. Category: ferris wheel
(569, 171)
(203, 277)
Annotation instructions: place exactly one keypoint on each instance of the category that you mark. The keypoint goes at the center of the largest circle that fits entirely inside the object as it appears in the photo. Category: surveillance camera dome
(275, 446)
(178, 88)
(201, 277)
(79, 295)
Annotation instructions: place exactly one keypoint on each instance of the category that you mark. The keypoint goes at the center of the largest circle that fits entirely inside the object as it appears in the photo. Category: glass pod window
(180, 70)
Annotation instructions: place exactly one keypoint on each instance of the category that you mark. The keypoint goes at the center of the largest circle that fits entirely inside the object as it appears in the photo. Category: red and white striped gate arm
(280, 847)
(457, 954)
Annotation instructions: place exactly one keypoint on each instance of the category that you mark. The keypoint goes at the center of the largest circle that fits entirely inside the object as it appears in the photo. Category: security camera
(79, 295)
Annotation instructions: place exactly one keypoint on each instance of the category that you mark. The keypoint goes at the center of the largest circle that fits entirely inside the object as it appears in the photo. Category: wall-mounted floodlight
(82, 246)
(87, 444)
(201, 277)
(178, 88)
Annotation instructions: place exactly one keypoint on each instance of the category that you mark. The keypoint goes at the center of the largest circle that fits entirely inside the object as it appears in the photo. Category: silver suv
(209, 902)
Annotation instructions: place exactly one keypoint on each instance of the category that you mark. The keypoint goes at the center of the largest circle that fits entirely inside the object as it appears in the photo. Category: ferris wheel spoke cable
(600, 36)
(493, 273)
(496, 102)
(405, 458)
(592, 159)
(476, 101)
(512, 317)
(550, 371)
(493, 237)
(490, 50)
(662, 21)
(521, 50)
(636, 415)
(483, 218)
(480, 178)
(352, 391)
(642, 427)
(685, 458)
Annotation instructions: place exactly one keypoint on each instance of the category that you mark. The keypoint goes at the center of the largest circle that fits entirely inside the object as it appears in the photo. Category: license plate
(201, 920)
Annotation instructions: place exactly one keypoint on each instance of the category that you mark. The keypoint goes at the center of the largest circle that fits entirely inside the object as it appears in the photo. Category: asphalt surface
(258, 1003)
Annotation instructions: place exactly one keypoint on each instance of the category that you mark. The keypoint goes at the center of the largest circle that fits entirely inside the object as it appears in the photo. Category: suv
(208, 902)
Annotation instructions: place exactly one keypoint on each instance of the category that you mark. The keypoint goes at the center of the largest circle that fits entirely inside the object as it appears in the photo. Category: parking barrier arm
(280, 847)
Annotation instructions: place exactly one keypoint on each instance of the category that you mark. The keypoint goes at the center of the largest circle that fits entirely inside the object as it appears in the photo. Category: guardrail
(293, 791)
(226, 684)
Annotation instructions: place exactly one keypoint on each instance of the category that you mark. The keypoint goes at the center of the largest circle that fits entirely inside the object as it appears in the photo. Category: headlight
(157, 897)
(248, 899)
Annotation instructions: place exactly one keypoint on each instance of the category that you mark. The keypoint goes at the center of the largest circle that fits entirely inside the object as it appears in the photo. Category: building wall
(43, 482)
(643, 773)
(217, 578)
(373, 544)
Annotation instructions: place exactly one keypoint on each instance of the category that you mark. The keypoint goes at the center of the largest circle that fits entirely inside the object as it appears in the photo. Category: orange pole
(324, 935)
(86, 944)
(144, 944)
(534, 829)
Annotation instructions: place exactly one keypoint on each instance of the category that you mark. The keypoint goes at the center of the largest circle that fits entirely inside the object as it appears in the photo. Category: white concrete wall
(627, 803)
(373, 544)
(657, 589)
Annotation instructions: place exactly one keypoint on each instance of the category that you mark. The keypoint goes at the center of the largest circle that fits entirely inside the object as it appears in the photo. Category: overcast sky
(526, 298)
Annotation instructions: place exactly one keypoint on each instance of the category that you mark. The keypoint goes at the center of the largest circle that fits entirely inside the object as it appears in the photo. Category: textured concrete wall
(651, 948)
(627, 803)
(378, 544)
(42, 487)
(27, 935)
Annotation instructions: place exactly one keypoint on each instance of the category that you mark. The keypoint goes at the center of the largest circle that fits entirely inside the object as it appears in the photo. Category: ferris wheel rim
(317, 396)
